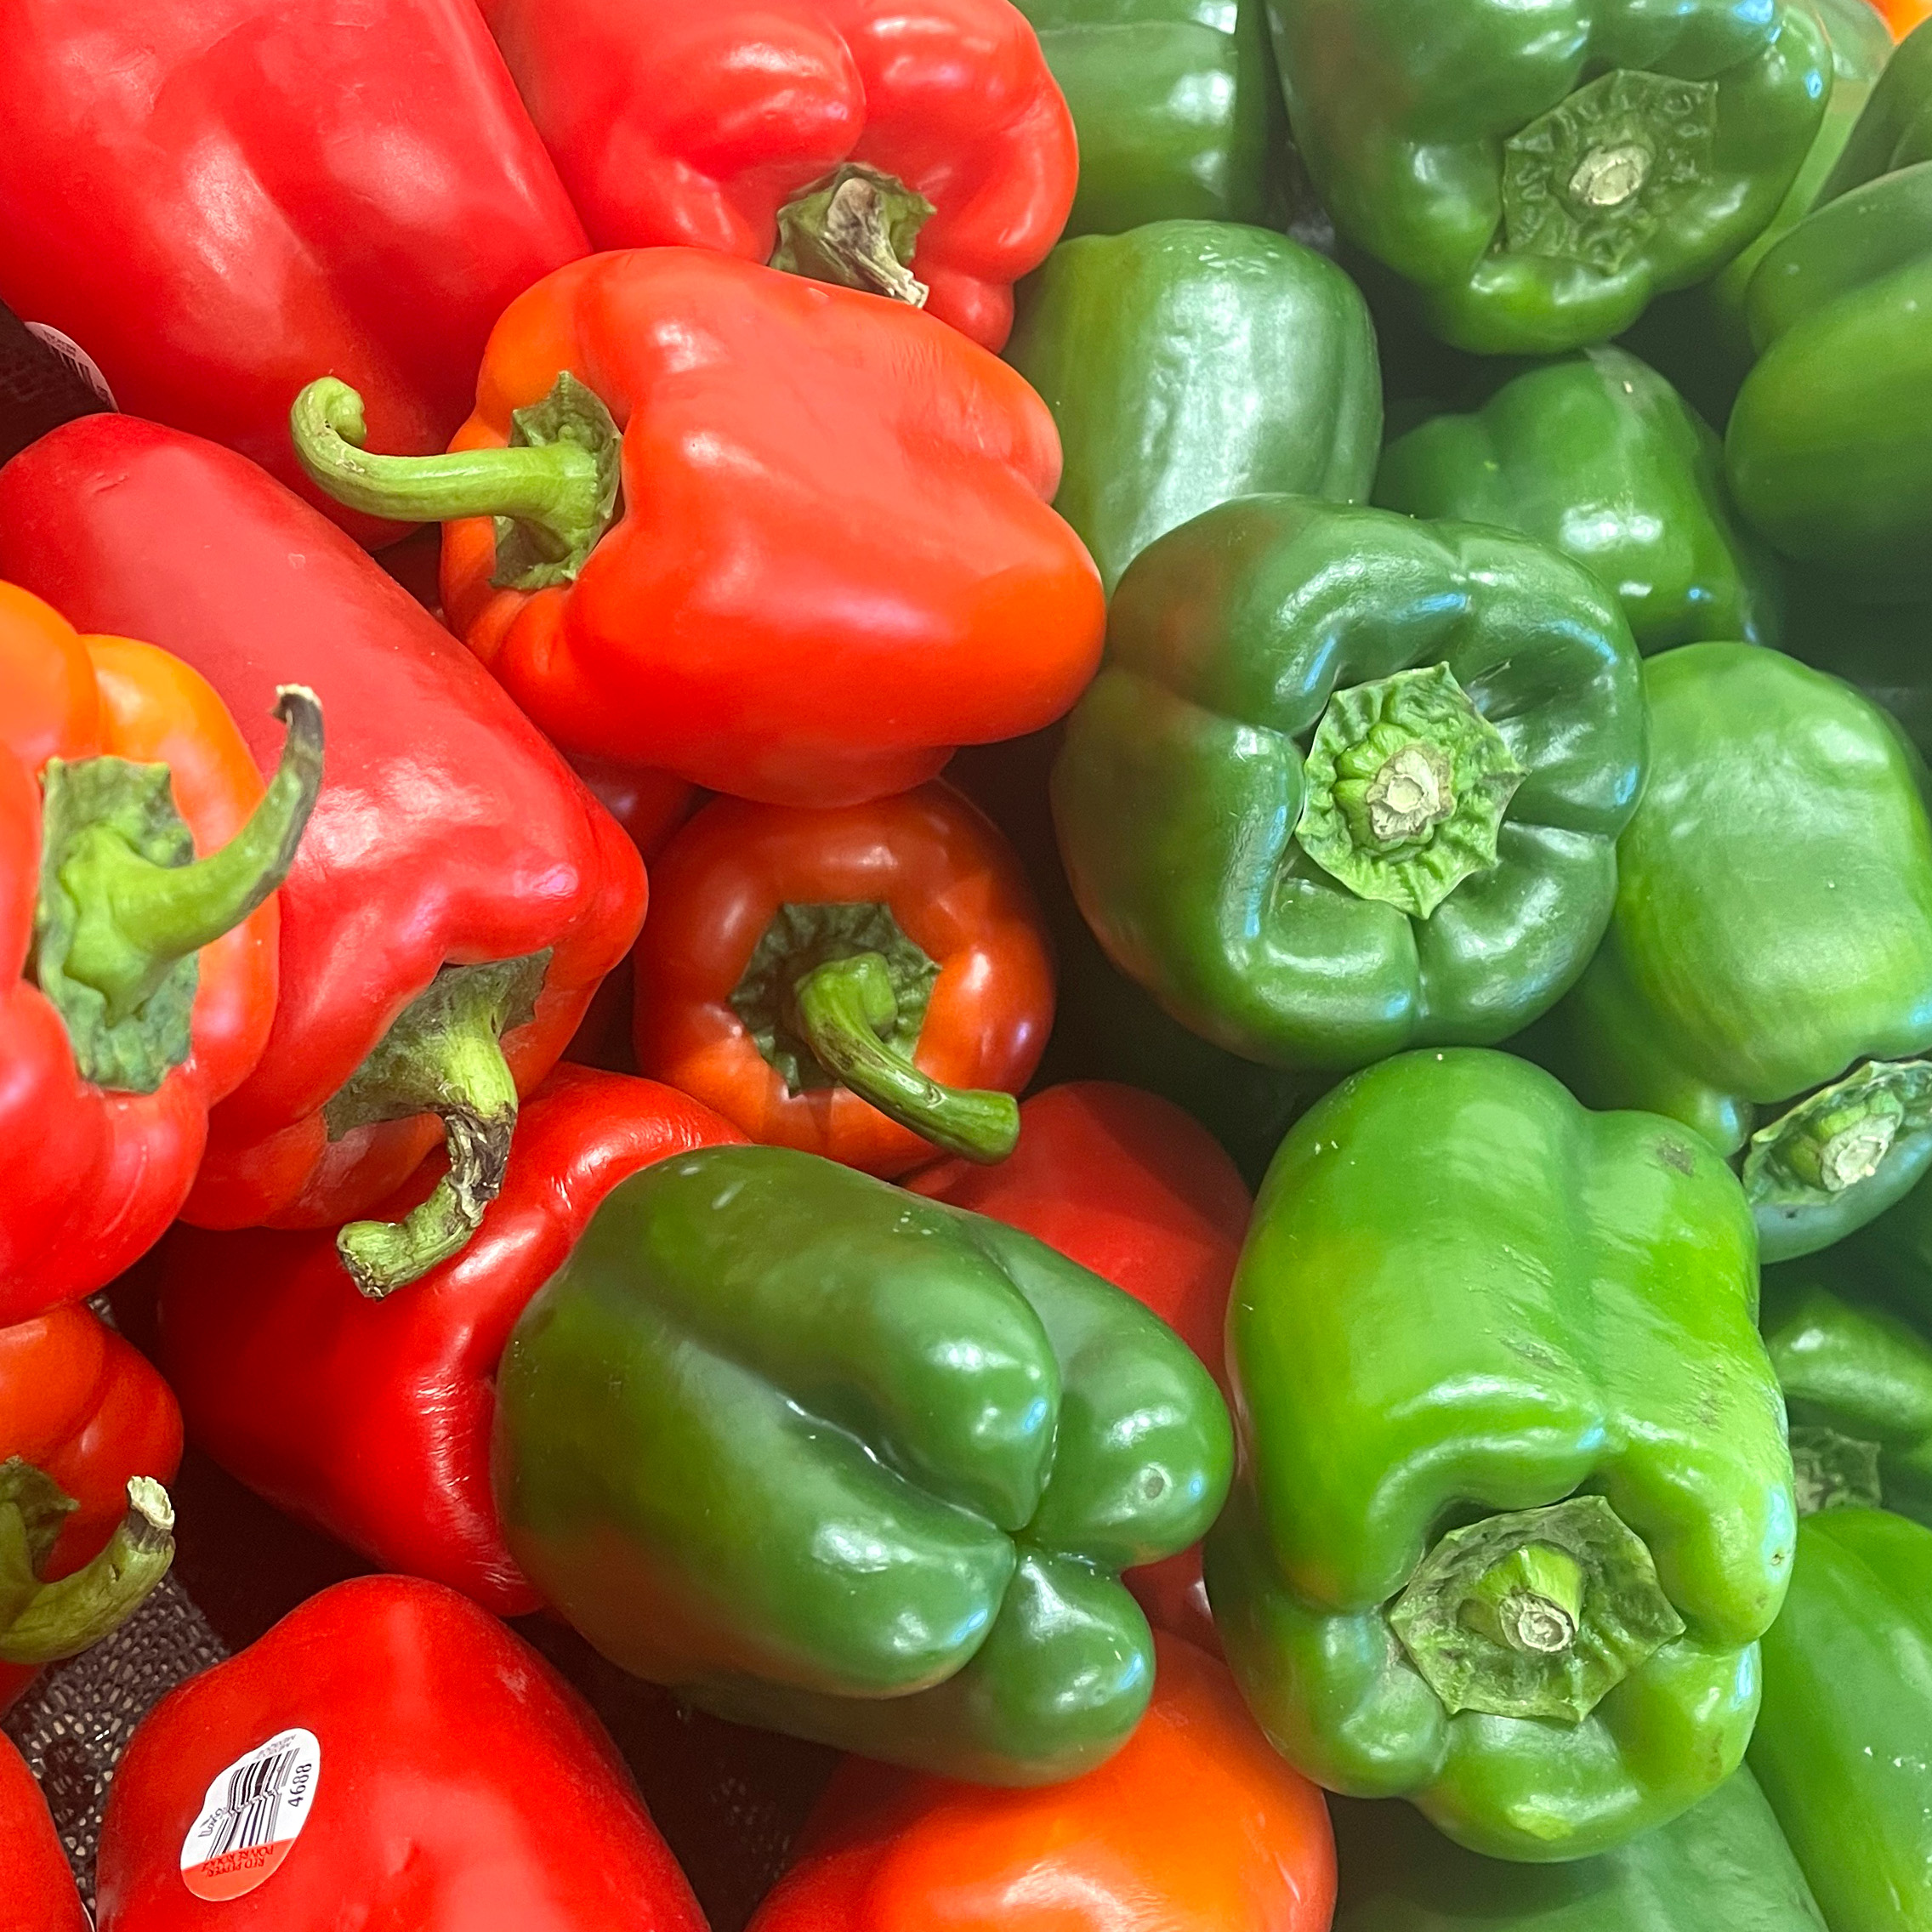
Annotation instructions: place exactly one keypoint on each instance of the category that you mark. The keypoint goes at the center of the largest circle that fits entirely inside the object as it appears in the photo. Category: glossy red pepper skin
(1128, 1185)
(94, 1174)
(690, 122)
(371, 1421)
(462, 1786)
(217, 200)
(1196, 1825)
(39, 1895)
(88, 1410)
(836, 558)
(448, 829)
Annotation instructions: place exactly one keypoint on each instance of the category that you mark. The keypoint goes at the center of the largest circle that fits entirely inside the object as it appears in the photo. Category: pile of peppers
(1044, 887)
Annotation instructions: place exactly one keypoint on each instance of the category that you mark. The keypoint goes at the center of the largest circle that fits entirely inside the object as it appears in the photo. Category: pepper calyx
(859, 228)
(1840, 1137)
(1407, 785)
(1538, 1613)
(1831, 1470)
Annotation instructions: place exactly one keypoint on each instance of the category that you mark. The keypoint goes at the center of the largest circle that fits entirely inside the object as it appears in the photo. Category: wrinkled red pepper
(86, 1411)
(1128, 1185)
(40, 1894)
(137, 978)
(374, 1423)
(455, 1784)
(781, 540)
(458, 894)
(686, 121)
(216, 201)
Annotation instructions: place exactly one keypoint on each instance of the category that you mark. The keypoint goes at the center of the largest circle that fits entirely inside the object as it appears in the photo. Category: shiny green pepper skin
(1189, 361)
(1176, 106)
(1200, 830)
(1600, 457)
(1539, 174)
(829, 1458)
(1723, 1863)
(1840, 1749)
(1827, 450)
(1464, 1297)
(1767, 976)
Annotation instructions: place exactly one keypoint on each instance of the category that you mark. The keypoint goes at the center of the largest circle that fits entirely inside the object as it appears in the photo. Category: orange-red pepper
(40, 1889)
(1196, 1825)
(137, 981)
(865, 983)
(781, 539)
(86, 1412)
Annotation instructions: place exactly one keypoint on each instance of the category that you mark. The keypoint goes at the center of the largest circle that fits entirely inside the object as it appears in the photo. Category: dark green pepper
(1722, 1866)
(1841, 1746)
(1857, 1384)
(1176, 106)
(1828, 450)
(1514, 1504)
(1538, 174)
(1348, 783)
(1190, 362)
(831, 1460)
(1600, 457)
(1767, 977)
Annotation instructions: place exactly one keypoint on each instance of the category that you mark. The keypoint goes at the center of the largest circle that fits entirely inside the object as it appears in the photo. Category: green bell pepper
(1767, 976)
(1348, 783)
(1176, 106)
(1722, 1866)
(1189, 361)
(1514, 1504)
(1857, 1384)
(828, 1458)
(1538, 174)
(1828, 449)
(1840, 1749)
(1600, 457)
(1699, 336)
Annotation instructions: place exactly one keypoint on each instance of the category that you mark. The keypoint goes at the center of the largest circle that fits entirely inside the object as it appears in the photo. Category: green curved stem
(842, 1008)
(136, 919)
(44, 1622)
(444, 1055)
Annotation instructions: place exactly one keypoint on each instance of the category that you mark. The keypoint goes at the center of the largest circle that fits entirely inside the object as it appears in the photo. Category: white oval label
(251, 1816)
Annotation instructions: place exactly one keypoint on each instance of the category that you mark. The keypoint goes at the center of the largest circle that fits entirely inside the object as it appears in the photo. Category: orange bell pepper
(1901, 16)
(1196, 1825)
(867, 983)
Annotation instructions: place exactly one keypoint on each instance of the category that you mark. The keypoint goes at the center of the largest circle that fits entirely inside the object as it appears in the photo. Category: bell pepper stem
(136, 919)
(444, 1056)
(62, 1618)
(1531, 1600)
(842, 1008)
(554, 492)
(857, 228)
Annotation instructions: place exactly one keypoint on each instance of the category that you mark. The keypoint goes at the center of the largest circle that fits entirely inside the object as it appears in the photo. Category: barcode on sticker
(76, 358)
(251, 1816)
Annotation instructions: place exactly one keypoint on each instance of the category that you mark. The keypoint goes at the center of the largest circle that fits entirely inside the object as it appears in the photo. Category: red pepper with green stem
(40, 1889)
(373, 1423)
(867, 983)
(216, 201)
(917, 149)
(781, 540)
(82, 1415)
(137, 979)
(458, 894)
(1129, 1185)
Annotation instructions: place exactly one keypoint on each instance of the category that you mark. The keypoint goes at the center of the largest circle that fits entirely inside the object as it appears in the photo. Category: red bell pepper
(454, 1783)
(838, 982)
(734, 127)
(373, 1424)
(458, 894)
(39, 1895)
(1197, 1826)
(1128, 1185)
(137, 982)
(216, 201)
(82, 1415)
(785, 541)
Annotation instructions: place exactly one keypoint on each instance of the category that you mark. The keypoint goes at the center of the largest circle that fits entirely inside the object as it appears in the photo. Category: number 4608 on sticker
(251, 1816)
